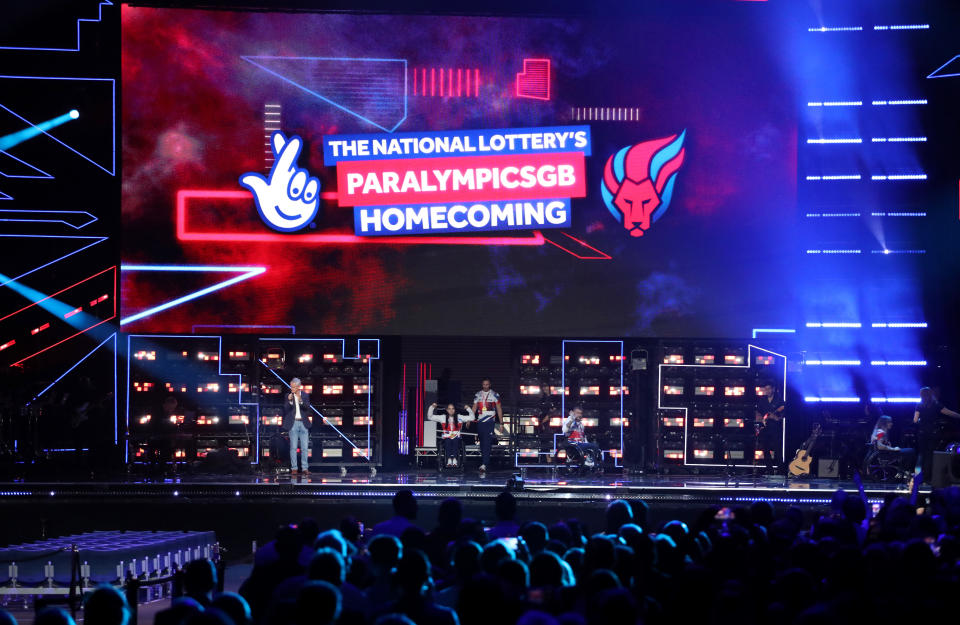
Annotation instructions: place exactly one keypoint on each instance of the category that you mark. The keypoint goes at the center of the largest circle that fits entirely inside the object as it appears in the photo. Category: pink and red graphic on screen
(638, 181)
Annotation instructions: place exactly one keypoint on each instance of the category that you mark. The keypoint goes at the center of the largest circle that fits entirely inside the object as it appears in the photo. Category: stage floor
(540, 485)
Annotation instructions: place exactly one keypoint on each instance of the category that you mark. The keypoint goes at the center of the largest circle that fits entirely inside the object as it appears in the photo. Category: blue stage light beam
(71, 314)
(20, 136)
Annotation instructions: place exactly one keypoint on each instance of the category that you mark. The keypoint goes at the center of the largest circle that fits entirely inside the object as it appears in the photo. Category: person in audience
(234, 606)
(54, 616)
(106, 606)
(318, 603)
(415, 584)
(505, 507)
(259, 587)
(200, 581)
(405, 513)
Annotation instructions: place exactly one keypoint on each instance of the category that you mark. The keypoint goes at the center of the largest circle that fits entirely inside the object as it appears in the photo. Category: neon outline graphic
(240, 402)
(293, 329)
(269, 237)
(4, 196)
(521, 74)
(46, 212)
(933, 74)
(249, 59)
(116, 415)
(343, 355)
(249, 272)
(51, 236)
(773, 331)
(563, 385)
(44, 176)
(600, 255)
(113, 133)
(100, 6)
(686, 409)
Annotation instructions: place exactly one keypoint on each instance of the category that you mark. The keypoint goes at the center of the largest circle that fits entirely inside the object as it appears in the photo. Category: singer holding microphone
(297, 421)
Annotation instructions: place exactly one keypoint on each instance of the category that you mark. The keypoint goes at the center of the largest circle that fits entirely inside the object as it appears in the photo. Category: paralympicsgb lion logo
(638, 181)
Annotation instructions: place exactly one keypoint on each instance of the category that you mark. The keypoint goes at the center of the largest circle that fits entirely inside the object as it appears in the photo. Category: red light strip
(7, 344)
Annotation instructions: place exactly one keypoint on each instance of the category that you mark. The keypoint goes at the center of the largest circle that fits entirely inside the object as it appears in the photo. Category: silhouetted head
(234, 606)
(505, 506)
(619, 513)
(413, 572)
(106, 606)
(54, 616)
(200, 580)
(385, 552)
(318, 603)
(327, 565)
(404, 504)
(450, 513)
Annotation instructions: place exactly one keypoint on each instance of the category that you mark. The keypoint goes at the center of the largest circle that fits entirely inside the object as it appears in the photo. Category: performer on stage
(297, 421)
(573, 430)
(452, 422)
(881, 440)
(927, 415)
(486, 405)
(769, 423)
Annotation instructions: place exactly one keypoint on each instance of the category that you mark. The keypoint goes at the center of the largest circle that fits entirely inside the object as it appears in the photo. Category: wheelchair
(883, 466)
(577, 461)
(442, 457)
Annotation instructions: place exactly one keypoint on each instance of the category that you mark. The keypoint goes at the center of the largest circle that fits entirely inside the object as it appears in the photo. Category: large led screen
(392, 174)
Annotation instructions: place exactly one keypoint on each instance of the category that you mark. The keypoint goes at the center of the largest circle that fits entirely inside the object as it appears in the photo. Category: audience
(751, 565)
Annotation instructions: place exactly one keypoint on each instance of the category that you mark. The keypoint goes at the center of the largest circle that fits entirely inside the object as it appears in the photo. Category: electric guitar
(800, 465)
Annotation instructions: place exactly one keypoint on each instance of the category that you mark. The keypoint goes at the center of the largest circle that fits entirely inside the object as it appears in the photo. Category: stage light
(8, 141)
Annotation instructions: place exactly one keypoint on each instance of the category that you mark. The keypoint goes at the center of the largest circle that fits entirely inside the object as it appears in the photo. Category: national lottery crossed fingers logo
(289, 199)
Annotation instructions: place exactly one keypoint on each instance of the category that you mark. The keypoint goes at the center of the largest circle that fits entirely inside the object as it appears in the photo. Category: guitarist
(769, 415)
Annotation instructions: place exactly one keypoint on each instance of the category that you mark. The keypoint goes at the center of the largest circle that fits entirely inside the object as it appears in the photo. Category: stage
(244, 507)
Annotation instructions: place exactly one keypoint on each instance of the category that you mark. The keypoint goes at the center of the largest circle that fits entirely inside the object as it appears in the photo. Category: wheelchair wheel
(880, 468)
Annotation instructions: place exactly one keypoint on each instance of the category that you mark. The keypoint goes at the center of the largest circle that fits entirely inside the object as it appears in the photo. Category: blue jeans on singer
(299, 436)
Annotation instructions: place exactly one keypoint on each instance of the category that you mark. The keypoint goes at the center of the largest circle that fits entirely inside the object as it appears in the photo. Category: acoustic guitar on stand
(800, 465)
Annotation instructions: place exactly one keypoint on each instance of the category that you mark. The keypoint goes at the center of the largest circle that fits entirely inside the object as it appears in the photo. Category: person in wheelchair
(451, 423)
(573, 430)
(880, 439)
